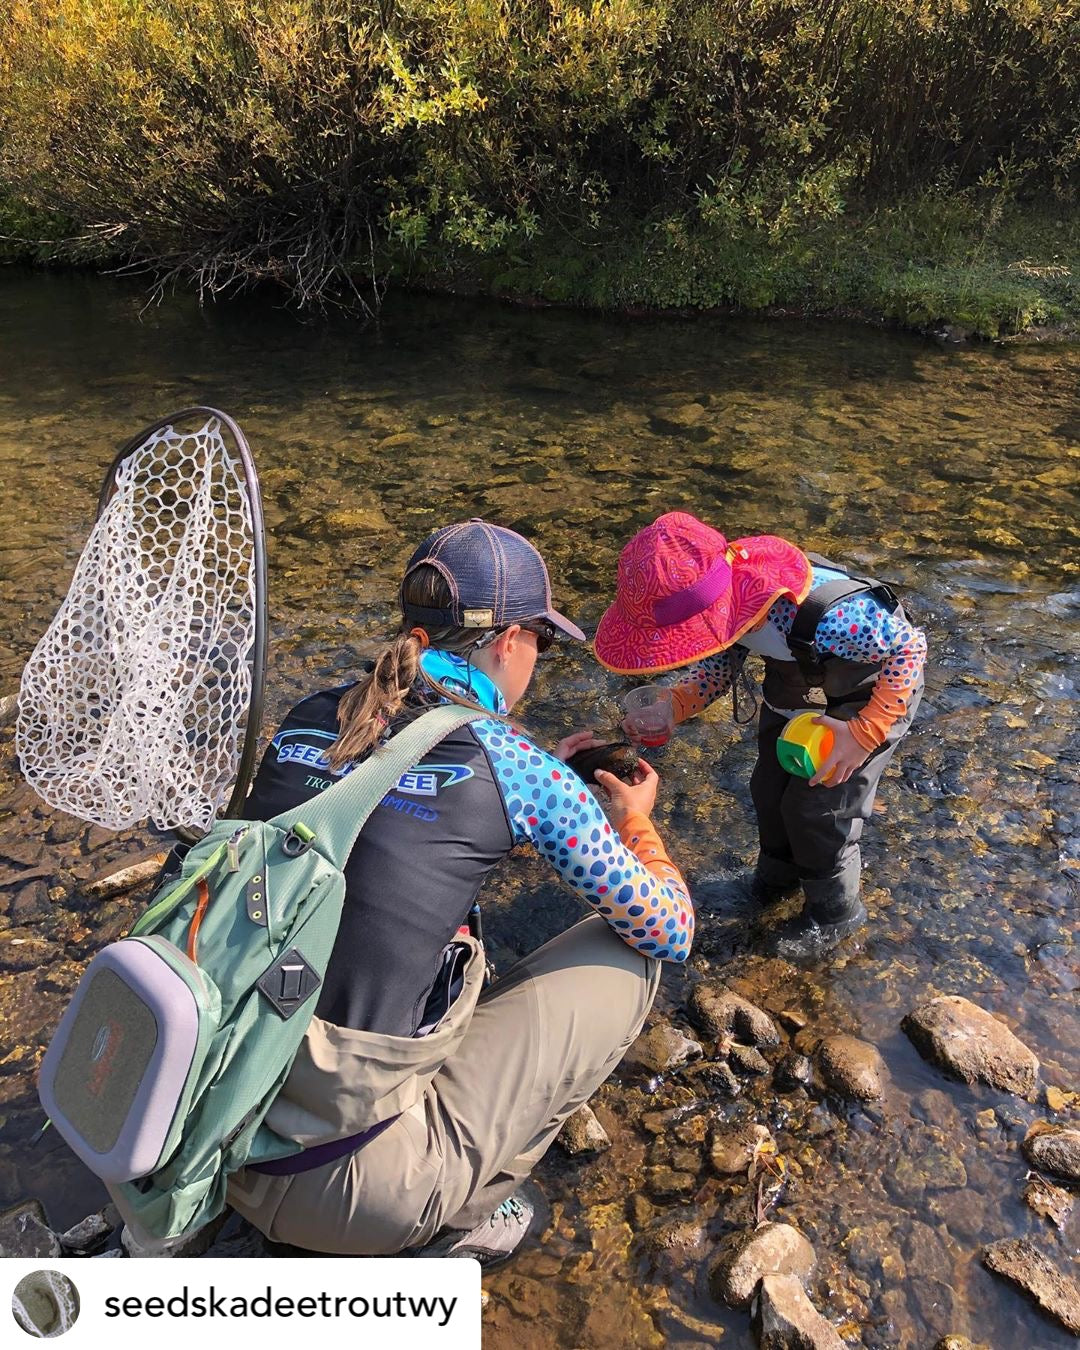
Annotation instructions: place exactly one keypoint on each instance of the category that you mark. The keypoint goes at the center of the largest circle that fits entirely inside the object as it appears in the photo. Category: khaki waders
(481, 1098)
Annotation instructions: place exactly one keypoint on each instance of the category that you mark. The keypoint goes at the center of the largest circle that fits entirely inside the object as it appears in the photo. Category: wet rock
(793, 1071)
(851, 1068)
(661, 1048)
(935, 1167)
(692, 1130)
(665, 1183)
(745, 1059)
(583, 1133)
(971, 1044)
(65, 829)
(642, 1211)
(952, 1342)
(9, 709)
(1054, 1148)
(715, 1079)
(743, 1259)
(89, 1234)
(964, 1213)
(24, 1231)
(27, 851)
(1020, 1262)
(19, 951)
(674, 1235)
(789, 1321)
(31, 903)
(683, 420)
(732, 1150)
(1052, 1202)
(719, 1011)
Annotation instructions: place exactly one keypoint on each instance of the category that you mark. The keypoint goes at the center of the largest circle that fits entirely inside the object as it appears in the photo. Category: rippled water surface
(952, 474)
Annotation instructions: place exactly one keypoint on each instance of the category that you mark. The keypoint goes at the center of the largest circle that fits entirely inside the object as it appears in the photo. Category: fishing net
(135, 703)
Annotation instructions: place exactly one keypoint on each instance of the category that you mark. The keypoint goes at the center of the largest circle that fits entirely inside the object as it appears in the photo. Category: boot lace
(509, 1211)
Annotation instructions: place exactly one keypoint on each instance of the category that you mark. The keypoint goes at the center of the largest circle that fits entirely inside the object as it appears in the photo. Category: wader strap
(321, 1154)
(801, 639)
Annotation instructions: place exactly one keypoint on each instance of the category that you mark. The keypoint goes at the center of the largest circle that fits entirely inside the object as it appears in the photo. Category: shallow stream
(953, 474)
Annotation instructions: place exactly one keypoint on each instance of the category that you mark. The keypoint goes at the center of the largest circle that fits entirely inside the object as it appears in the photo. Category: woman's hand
(577, 740)
(630, 798)
(846, 756)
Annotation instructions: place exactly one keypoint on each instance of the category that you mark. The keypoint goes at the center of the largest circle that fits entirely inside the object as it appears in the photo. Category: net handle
(258, 529)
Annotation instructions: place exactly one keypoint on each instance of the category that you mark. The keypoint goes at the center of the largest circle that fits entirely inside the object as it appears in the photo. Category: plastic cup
(650, 715)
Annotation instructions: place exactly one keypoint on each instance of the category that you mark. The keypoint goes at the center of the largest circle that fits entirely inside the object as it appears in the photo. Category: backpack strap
(336, 817)
(802, 638)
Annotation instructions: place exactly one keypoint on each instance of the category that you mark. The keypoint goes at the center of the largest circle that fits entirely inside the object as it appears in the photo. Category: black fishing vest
(846, 685)
(412, 875)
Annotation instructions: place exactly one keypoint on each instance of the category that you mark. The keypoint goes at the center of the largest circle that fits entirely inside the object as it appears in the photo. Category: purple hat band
(704, 592)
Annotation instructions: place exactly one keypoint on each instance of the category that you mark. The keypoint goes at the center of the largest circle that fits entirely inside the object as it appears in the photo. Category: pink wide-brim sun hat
(684, 593)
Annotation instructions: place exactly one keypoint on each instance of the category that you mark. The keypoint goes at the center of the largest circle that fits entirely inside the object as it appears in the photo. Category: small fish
(618, 757)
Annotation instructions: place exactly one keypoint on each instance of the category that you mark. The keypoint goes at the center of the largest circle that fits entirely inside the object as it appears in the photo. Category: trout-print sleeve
(629, 881)
(860, 628)
(696, 686)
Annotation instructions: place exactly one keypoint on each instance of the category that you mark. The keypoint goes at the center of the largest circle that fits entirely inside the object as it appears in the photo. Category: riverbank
(948, 267)
(945, 266)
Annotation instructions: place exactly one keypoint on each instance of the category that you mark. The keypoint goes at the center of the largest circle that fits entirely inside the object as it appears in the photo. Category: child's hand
(847, 754)
(577, 740)
(628, 798)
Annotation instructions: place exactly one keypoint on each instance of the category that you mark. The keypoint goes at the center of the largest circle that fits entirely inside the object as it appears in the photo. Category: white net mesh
(134, 703)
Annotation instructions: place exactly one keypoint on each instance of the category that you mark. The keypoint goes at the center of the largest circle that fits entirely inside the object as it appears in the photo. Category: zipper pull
(233, 848)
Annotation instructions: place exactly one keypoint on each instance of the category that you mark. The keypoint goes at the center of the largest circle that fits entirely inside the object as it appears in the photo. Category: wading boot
(815, 932)
(493, 1240)
(765, 893)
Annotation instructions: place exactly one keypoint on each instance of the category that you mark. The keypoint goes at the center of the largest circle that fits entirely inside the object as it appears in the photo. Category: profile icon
(45, 1304)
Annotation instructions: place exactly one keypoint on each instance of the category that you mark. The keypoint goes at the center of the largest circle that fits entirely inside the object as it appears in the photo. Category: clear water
(952, 474)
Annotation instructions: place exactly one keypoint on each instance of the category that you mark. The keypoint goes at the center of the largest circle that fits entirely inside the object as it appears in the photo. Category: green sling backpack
(180, 1035)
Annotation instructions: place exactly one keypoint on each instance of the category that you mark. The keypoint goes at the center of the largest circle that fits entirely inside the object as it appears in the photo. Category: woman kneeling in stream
(424, 1100)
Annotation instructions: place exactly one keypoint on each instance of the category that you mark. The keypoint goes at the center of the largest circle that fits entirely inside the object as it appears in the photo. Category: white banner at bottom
(214, 1303)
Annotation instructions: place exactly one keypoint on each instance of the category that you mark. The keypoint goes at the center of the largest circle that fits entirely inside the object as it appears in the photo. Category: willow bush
(313, 142)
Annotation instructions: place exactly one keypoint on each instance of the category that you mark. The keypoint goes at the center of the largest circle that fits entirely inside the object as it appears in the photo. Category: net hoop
(161, 639)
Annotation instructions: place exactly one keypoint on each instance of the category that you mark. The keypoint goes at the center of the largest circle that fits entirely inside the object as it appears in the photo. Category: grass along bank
(985, 270)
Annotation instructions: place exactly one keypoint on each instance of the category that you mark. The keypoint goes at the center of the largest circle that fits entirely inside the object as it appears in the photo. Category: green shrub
(318, 143)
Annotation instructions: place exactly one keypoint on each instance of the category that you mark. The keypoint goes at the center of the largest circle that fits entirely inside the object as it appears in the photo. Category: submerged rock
(745, 1258)
(583, 1133)
(1020, 1262)
(793, 1071)
(851, 1067)
(789, 1321)
(1052, 1202)
(1054, 1148)
(662, 1047)
(745, 1059)
(91, 1232)
(732, 1150)
(971, 1044)
(24, 1231)
(719, 1011)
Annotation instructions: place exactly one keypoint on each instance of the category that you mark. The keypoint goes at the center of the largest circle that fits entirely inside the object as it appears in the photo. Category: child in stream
(690, 603)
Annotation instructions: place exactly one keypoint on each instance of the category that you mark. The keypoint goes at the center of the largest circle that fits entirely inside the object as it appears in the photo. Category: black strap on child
(801, 639)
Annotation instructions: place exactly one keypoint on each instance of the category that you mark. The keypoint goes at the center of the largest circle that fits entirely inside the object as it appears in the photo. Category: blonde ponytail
(371, 705)
(366, 711)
